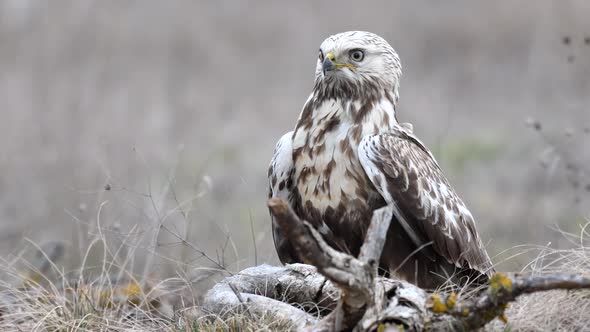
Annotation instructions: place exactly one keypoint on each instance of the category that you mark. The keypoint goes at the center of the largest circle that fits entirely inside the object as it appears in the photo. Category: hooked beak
(330, 64)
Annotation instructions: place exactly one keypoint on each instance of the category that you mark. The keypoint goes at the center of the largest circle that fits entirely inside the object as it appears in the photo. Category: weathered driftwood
(300, 294)
(341, 292)
(296, 293)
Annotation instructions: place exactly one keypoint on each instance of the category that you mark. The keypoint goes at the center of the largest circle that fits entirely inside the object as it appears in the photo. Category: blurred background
(151, 123)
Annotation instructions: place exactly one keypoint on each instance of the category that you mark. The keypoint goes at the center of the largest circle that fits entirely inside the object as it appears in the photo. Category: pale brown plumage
(348, 156)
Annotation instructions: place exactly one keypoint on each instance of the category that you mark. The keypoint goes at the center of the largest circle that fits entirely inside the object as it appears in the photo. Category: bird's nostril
(327, 65)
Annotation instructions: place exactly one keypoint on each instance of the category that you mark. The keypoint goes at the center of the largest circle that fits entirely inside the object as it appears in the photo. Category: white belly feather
(328, 188)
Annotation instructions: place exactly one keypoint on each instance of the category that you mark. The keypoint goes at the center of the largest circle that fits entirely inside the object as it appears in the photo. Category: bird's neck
(374, 114)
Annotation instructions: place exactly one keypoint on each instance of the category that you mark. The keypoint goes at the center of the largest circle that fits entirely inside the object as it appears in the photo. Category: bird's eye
(321, 55)
(357, 55)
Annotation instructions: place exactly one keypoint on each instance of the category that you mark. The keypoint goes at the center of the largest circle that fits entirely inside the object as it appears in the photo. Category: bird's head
(356, 61)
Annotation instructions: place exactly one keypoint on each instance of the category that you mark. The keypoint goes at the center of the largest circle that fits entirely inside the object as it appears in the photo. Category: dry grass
(51, 300)
(237, 322)
(554, 310)
(38, 295)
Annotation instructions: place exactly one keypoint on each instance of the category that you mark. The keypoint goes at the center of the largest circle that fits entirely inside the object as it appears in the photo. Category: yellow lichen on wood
(451, 300)
(436, 304)
(439, 305)
(500, 281)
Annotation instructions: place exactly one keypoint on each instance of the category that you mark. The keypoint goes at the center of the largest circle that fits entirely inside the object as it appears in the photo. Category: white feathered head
(355, 63)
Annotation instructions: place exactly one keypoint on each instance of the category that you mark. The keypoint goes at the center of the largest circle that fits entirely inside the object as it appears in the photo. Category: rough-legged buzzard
(348, 156)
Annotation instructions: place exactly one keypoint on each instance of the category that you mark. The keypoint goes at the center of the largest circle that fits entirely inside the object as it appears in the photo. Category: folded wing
(280, 174)
(407, 176)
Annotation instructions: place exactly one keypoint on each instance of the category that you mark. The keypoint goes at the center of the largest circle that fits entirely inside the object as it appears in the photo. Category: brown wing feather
(408, 176)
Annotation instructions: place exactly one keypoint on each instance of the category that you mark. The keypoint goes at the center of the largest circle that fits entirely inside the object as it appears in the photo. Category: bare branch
(376, 236)
(476, 312)
(355, 277)
(344, 270)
